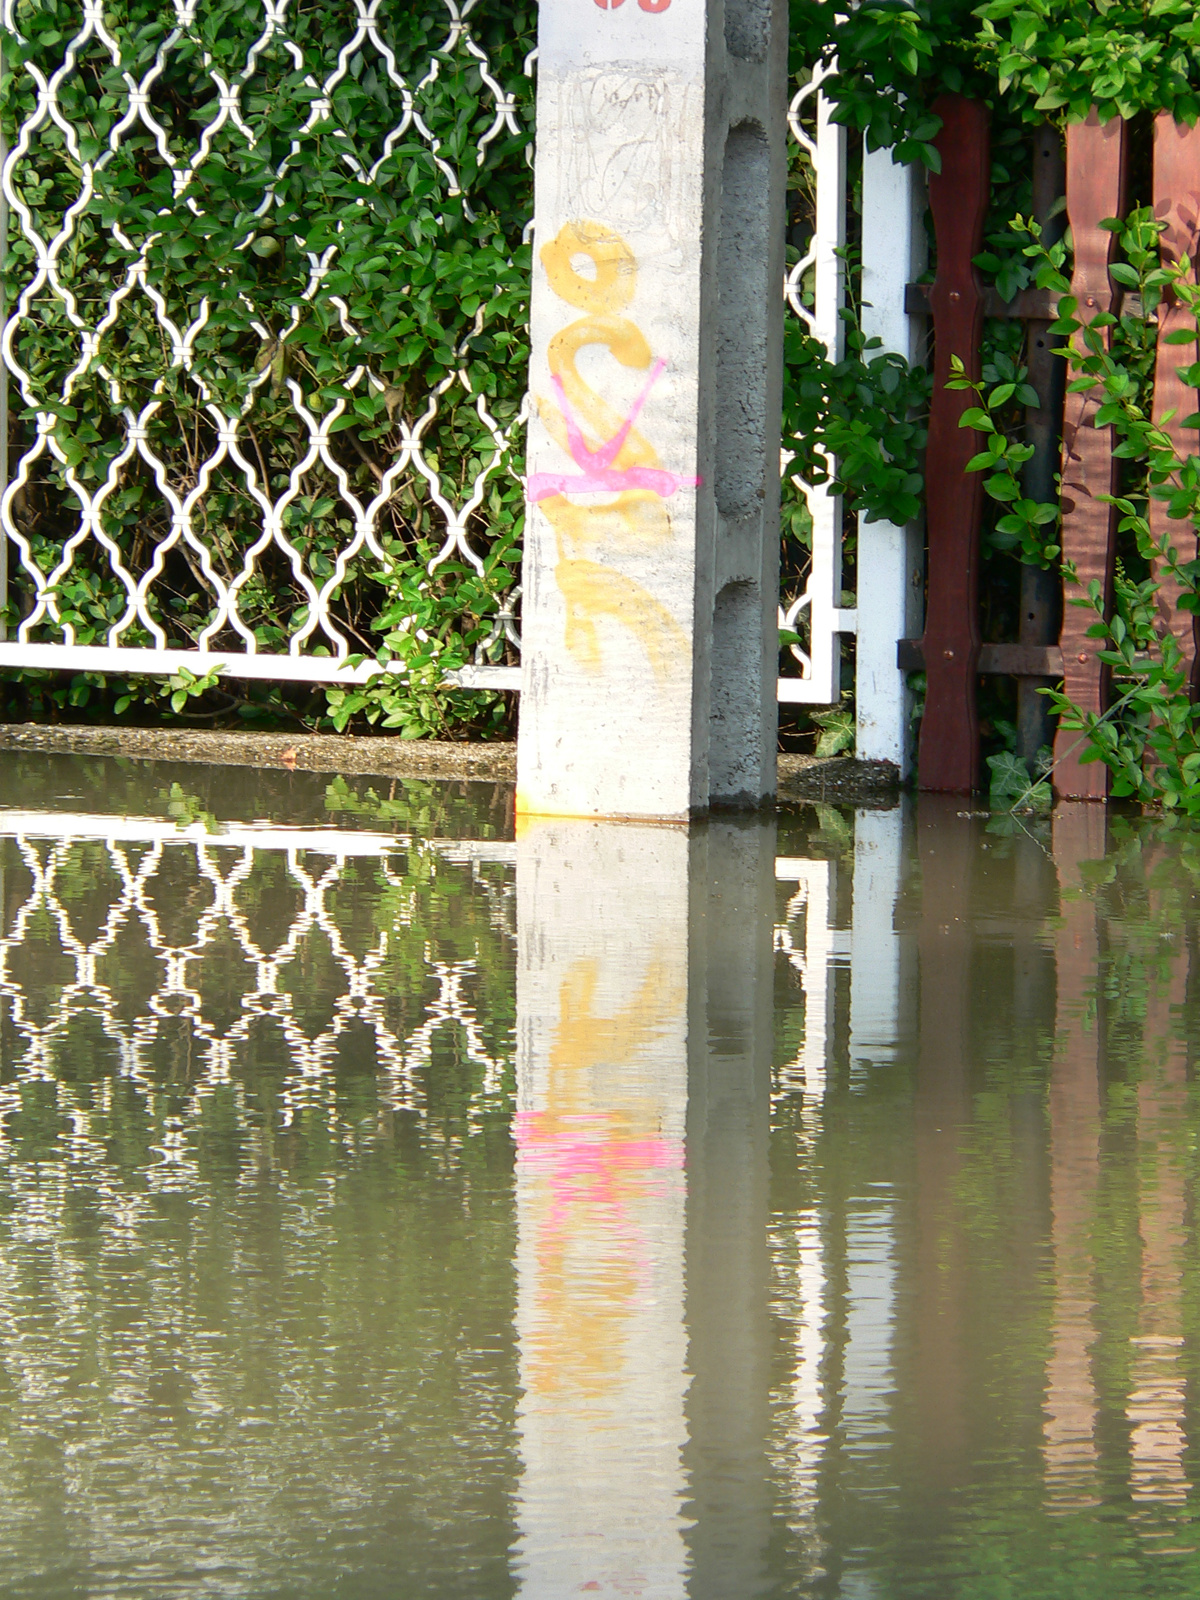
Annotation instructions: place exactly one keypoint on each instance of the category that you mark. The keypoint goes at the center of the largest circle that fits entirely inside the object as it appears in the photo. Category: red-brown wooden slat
(1096, 167)
(958, 198)
(1177, 203)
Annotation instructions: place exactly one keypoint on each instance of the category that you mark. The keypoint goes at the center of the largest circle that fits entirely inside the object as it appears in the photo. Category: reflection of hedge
(415, 283)
(341, 1273)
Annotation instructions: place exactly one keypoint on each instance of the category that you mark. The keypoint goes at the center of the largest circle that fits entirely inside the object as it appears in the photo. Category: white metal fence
(116, 363)
(101, 589)
(818, 681)
(890, 563)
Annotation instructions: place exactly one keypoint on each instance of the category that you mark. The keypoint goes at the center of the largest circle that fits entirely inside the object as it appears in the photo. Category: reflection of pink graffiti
(598, 472)
(587, 1163)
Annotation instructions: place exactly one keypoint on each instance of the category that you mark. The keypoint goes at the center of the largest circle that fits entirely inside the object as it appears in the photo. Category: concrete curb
(305, 752)
(836, 779)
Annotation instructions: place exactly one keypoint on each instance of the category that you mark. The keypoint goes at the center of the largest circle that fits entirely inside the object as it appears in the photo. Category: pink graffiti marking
(597, 471)
(646, 5)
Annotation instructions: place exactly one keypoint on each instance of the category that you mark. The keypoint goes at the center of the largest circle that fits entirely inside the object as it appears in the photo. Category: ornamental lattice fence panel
(265, 339)
(264, 333)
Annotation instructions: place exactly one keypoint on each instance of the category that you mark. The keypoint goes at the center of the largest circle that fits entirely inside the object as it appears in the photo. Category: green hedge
(423, 275)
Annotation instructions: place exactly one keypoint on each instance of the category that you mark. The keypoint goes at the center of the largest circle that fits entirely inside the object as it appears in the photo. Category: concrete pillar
(891, 562)
(651, 550)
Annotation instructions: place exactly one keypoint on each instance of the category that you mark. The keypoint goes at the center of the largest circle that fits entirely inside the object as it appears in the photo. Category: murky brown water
(393, 1207)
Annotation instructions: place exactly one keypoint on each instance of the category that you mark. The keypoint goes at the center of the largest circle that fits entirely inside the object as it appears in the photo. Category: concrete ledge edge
(840, 780)
(301, 752)
(829, 778)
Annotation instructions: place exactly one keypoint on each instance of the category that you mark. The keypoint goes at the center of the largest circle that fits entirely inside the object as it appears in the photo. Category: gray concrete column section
(651, 553)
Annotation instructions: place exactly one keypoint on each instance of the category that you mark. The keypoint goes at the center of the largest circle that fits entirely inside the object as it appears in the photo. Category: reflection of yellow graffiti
(583, 423)
(583, 1041)
(597, 1164)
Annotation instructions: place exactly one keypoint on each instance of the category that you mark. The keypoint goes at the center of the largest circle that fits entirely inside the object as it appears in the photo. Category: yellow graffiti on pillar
(615, 282)
(610, 454)
(591, 590)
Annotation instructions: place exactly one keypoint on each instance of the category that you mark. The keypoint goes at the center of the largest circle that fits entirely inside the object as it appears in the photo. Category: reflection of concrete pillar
(1069, 1425)
(882, 970)
(651, 551)
(644, 1006)
(602, 1084)
(729, 1084)
(868, 1382)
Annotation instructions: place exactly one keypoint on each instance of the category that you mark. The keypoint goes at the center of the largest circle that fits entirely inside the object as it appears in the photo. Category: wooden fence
(1052, 642)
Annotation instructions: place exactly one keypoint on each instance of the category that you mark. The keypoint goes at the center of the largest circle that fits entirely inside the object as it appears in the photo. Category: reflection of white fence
(142, 850)
(871, 952)
(143, 853)
(150, 935)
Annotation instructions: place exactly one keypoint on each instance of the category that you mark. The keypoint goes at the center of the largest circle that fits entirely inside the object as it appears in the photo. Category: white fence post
(821, 664)
(890, 558)
(3, 375)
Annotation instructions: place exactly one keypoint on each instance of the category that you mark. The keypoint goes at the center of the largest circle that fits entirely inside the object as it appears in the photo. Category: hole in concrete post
(747, 28)
(735, 712)
(742, 256)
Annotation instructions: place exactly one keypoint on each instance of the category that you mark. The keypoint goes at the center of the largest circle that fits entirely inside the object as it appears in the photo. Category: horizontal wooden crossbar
(1028, 305)
(1009, 660)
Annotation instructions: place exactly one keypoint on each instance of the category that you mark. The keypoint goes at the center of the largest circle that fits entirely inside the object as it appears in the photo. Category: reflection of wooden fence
(951, 652)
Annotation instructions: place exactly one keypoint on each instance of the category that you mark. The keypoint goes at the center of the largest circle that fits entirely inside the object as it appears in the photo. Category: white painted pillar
(827, 620)
(651, 550)
(890, 558)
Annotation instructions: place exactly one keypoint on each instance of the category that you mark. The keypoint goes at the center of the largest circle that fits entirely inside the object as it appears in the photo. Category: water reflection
(389, 1206)
(1080, 835)
(256, 1087)
(602, 1026)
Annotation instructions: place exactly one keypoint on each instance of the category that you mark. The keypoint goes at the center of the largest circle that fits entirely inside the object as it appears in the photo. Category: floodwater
(392, 1206)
